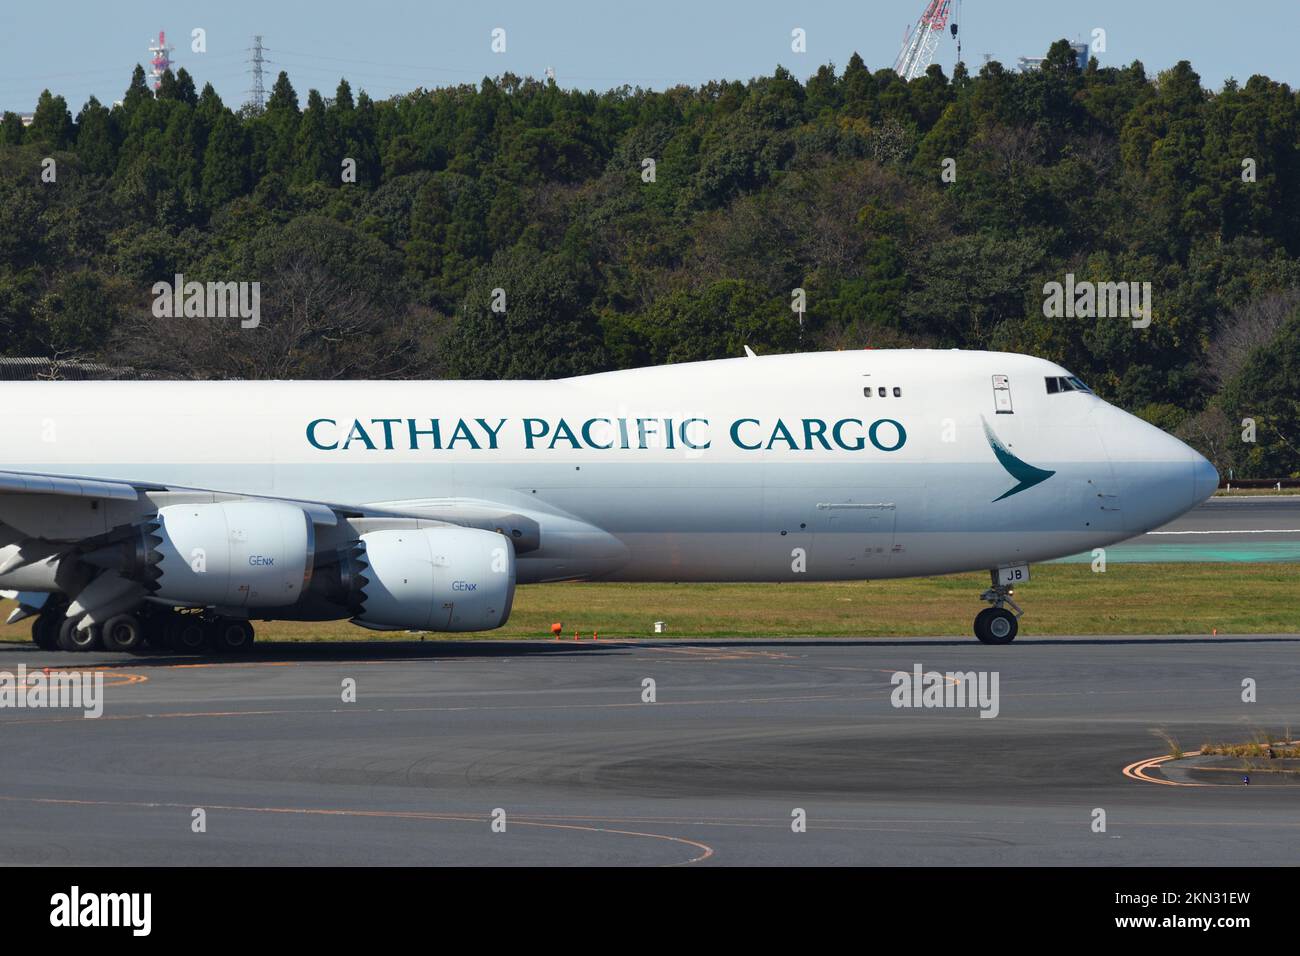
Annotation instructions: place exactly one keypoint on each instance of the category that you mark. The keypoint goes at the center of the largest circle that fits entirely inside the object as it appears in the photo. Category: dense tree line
(607, 260)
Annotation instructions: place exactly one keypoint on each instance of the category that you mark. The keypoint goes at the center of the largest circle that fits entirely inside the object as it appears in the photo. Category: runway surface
(1249, 528)
(741, 736)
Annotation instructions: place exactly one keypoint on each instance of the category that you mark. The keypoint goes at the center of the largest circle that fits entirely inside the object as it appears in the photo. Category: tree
(138, 92)
(95, 140)
(78, 315)
(1267, 390)
(52, 123)
(717, 322)
(343, 96)
(329, 308)
(185, 87)
(754, 189)
(167, 89)
(282, 96)
(209, 105)
(1061, 63)
(315, 153)
(225, 163)
(546, 330)
(274, 133)
(11, 129)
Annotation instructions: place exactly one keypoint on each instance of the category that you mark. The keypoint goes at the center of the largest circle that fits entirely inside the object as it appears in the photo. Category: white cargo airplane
(175, 512)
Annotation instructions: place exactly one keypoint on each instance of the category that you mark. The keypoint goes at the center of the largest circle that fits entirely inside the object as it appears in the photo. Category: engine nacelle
(229, 553)
(436, 579)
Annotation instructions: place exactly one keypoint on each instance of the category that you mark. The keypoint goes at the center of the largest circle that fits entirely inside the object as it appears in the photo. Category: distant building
(1027, 64)
(27, 118)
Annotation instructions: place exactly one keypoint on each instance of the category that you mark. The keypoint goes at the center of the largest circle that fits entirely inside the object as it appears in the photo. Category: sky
(83, 47)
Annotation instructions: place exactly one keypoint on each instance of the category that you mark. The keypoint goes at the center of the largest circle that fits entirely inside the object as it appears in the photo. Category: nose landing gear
(997, 624)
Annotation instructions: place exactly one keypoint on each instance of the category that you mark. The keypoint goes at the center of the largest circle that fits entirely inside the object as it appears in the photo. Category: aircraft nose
(1158, 476)
(1205, 479)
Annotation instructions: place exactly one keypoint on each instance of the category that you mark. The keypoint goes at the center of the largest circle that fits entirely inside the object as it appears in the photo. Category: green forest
(633, 227)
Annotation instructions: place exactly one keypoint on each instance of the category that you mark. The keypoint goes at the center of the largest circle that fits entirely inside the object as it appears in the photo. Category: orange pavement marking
(705, 851)
(1137, 771)
(111, 678)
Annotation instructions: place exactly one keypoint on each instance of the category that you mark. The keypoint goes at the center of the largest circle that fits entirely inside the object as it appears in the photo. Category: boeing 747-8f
(179, 511)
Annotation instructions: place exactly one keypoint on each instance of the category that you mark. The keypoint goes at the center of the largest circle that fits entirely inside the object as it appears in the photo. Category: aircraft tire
(996, 625)
(45, 628)
(188, 634)
(71, 639)
(157, 624)
(45, 632)
(231, 636)
(124, 633)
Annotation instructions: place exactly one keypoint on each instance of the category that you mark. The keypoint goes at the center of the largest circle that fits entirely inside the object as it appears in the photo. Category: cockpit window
(1064, 383)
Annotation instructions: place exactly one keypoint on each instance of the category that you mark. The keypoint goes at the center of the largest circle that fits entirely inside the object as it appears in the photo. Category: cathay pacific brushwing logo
(1025, 474)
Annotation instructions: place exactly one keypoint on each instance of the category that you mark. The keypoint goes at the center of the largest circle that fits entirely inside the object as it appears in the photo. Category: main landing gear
(53, 630)
(147, 628)
(997, 624)
(203, 633)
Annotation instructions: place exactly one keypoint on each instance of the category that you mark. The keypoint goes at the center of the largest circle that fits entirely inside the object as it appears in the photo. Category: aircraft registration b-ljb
(176, 512)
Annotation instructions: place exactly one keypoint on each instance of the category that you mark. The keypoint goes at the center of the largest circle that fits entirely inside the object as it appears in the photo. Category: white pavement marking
(1242, 531)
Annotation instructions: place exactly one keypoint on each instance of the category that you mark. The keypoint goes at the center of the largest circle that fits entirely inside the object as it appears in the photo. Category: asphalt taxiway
(556, 740)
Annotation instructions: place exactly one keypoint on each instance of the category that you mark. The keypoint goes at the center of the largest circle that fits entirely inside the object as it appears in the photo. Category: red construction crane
(921, 41)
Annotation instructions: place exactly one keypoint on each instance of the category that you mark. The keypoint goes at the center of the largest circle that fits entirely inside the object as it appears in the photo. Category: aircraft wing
(30, 500)
(38, 512)
(70, 531)
(19, 482)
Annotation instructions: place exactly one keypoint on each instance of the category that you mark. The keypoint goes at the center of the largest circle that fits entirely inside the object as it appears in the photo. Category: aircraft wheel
(231, 636)
(45, 632)
(996, 625)
(71, 639)
(123, 632)
(157, 624)
(188, 634)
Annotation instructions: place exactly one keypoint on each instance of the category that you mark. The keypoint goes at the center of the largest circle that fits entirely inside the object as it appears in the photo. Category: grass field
(1061, 599)
(1248, 492)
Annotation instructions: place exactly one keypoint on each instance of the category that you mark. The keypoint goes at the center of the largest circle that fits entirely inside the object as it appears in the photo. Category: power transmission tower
(257, 61)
